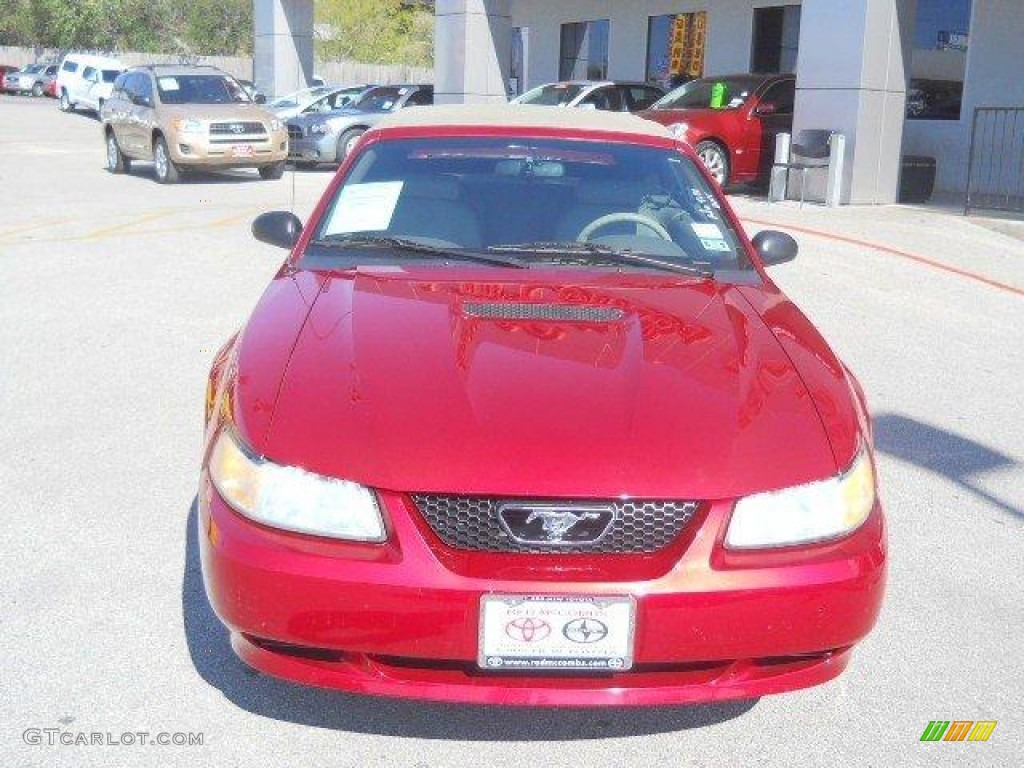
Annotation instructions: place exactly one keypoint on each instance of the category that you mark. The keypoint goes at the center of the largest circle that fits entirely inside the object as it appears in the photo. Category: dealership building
(894, 77)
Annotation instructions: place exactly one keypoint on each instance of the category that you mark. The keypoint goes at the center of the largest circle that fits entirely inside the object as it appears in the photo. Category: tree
(15, 26)
(220, 26)
(375, 31)
(165, 26)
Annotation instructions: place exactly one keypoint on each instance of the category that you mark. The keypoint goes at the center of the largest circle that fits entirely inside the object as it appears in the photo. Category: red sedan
(522, 420)
(731, 121)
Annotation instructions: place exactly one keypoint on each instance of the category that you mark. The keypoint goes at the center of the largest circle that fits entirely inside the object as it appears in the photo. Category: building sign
(956, 41)
(675, 47)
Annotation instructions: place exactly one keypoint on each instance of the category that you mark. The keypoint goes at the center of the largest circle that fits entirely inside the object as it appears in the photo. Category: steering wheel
(618, 218)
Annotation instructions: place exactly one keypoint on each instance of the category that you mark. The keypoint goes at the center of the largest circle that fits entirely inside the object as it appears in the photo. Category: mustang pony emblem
(558, 522)
(555, 524)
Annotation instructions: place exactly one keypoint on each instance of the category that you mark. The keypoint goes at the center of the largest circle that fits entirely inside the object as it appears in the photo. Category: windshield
(304, 96)
(545, 200)
(380, 99)
(200, 89)
(32, 69)
(553, 95)
(711, 93)
(333, 100)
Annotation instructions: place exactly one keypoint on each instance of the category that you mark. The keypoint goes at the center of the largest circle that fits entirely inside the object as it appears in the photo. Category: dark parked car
(731, 121)
(617, 96)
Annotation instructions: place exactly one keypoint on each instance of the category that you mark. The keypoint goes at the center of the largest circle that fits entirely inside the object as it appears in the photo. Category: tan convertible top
(522, 116)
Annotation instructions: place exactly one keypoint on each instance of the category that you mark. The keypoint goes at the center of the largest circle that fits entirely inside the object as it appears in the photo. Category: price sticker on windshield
(365, 207)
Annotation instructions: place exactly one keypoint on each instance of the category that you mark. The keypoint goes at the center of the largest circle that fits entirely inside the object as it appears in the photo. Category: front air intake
(528, 311)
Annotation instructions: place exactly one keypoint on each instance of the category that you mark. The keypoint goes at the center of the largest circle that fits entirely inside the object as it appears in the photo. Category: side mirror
(766, 108)
(774, 247)
(279, 228)
(260, 98)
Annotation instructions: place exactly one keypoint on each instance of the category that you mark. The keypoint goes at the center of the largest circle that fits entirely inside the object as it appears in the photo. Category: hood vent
(527, 311)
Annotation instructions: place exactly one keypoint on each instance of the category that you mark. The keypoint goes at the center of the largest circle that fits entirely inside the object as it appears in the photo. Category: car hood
(216, 111)
(428, 384)
(285, 113)
(337, 116)
(691, 116)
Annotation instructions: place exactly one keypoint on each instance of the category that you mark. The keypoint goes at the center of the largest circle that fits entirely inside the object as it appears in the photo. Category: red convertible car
(522, 420)
(731, 121)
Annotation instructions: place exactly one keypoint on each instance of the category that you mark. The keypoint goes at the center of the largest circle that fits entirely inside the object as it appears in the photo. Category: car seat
(433, 208)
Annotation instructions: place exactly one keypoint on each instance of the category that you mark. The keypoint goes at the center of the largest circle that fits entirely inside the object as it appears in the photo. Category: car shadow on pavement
(323, 168)
(216, 663)
(143, 171)
(938, 450)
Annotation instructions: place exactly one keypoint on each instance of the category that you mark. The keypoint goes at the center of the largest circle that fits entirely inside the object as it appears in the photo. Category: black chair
(810, 152)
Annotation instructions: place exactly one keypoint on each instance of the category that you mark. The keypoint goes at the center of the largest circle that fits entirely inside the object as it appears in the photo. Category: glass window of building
(675, 48)
(517, 61)
(776, 35)
(939, 59)
(584, 50)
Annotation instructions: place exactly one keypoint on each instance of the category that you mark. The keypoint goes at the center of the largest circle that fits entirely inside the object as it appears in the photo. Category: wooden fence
(340, 72)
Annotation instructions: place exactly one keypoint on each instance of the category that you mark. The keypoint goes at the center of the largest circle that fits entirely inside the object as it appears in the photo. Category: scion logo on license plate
(570, 633)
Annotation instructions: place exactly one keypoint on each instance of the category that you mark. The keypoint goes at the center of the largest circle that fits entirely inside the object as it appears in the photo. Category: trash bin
(917, 178)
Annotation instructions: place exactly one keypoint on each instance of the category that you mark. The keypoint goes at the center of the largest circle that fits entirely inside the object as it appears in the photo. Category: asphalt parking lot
(117, 291)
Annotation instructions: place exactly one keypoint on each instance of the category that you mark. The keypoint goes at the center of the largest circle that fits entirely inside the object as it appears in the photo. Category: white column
(472, 47)
(282, 45)
(851, 77)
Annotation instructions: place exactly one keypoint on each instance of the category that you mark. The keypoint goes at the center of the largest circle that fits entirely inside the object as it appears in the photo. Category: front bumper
(314, 149)
(201, 150)
(18, 85)
(401, 619)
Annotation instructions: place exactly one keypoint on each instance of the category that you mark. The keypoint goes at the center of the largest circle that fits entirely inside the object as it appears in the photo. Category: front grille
(529, 311)
(471, 523)
(237, 129)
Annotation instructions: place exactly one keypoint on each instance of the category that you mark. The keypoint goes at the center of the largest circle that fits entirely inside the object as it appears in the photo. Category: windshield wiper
(410, 246)
(598, 252)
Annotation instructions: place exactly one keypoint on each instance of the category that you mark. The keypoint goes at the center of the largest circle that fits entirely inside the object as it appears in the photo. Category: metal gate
(995, 171)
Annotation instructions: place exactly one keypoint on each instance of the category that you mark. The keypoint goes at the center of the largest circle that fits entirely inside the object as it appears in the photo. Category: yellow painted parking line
(30, 227)
(227, 219)
(124, 231)
(101, 233)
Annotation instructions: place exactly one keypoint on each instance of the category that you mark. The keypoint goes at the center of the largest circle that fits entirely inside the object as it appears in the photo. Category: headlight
(189, 125)
(292, 498)
(320, 129)
(678, 130)
(276, 125)
(805, 513)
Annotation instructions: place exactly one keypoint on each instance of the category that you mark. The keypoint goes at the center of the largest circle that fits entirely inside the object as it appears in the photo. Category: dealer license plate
(241, 150)
(584, 634)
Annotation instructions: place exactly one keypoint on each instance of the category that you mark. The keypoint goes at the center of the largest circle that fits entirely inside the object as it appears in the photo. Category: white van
(83, 78)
